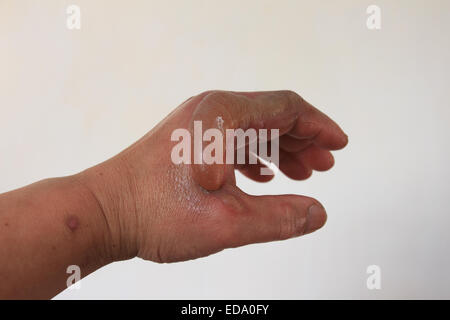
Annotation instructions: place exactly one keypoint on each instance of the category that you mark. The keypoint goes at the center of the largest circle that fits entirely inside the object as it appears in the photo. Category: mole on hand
(73, 223)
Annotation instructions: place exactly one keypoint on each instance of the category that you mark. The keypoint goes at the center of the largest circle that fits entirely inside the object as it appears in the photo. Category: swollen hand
(165, 202)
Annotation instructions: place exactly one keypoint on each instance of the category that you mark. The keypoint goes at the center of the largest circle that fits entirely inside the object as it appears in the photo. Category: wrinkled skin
(164, 212)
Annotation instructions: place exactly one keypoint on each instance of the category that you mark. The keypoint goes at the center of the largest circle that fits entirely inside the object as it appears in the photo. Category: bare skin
(139, 203)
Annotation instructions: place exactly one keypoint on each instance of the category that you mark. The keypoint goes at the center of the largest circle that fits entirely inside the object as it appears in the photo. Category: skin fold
(139, 203)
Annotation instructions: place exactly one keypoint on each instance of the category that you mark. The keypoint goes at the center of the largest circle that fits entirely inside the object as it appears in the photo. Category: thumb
(253, 219)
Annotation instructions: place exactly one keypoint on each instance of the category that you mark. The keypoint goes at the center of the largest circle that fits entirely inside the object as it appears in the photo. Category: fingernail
(315, 218)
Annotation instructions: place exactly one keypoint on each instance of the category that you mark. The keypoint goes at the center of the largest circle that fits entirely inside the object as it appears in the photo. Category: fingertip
(316, 158)
(315, 218)
(326, 163)
(209, 177)
(254, 173)
(343, 141)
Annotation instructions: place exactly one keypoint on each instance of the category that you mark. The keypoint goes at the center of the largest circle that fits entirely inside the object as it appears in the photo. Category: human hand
(166, 212)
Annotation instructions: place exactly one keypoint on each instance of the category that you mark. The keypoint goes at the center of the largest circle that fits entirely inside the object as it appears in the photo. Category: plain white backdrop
(70, 99)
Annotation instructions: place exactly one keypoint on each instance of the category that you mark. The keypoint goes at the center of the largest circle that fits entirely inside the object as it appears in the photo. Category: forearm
(141, 203)
(46, 227)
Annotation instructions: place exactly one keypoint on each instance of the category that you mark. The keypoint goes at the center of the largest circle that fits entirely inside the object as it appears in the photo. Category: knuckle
(216, 97)
(287, 223)
(293, 97)
(215, 104)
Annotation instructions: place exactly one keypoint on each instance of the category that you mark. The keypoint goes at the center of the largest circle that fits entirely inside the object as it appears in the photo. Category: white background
(71, 99)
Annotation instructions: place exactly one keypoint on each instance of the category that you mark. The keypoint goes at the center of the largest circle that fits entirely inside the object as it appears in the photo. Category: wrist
(89, 220)
(110, 190)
